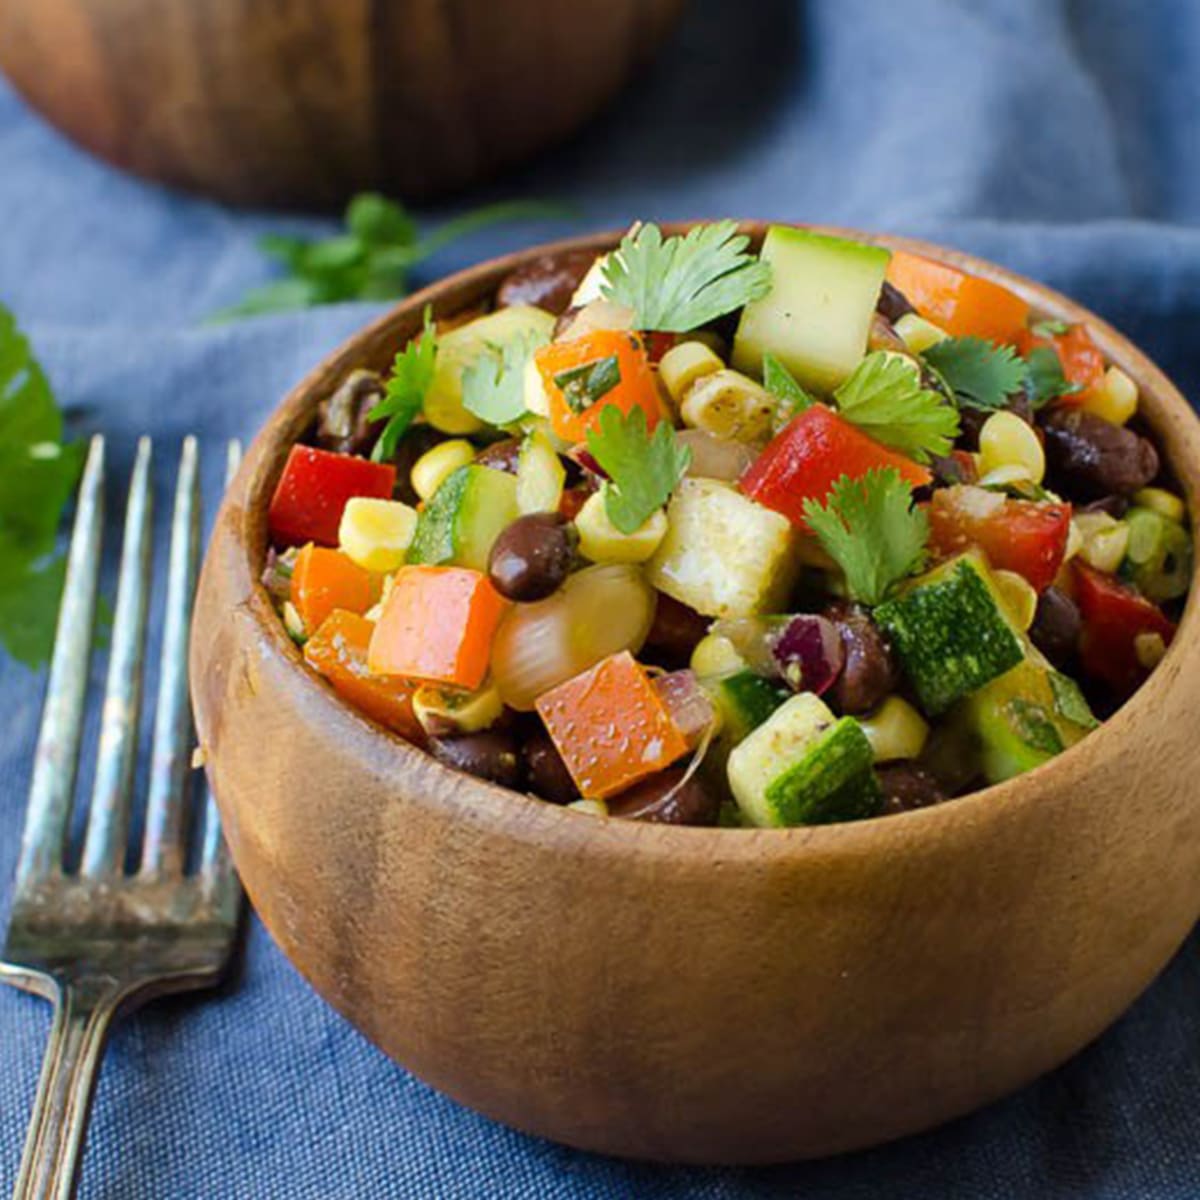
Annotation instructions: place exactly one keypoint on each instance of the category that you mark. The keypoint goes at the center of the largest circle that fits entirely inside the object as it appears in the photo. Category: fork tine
(166, 807)
(57, 759)
(215, 864)
(108, 819)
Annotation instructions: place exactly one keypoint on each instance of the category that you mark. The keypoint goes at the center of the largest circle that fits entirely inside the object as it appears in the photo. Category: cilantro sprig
(412, 374)
(980, 374)
(1044, 379)
(643, 469)
(884, 397)
(494, 384)
(680, 283)
(371, 259)
(37, 474)
(872, 530)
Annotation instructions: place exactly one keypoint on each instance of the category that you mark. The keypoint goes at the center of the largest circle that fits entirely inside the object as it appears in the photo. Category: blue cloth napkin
(1057, 136)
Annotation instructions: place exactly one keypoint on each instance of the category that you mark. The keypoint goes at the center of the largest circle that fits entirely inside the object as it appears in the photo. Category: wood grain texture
(688, 994)
(303, 102)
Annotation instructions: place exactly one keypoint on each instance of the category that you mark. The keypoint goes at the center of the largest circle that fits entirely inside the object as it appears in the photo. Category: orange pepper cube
(586, 374)
(338, 651)
(610, 726)
(437, 625)
(324, 579)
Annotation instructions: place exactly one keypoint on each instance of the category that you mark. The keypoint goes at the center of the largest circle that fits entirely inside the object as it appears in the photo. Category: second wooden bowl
(700, 995)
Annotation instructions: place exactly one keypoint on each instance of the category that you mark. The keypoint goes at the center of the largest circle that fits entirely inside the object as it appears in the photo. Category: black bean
(503, 456)
(675, 632)
(1094, 457)
(1112, 506)
(907, 786)
(652, 800)
(531, 557)
(342, 424)
(1056, 626)
(869, 673)
(949, 470)
(893, 303)
(488, 755)
(545, 770)
(547, 282)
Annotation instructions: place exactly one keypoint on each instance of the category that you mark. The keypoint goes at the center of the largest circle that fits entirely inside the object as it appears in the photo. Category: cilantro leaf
(872, 530)
(1044, 377)
(372, 257)
(884, 397)
(680, 283)
(412, 373)
(493, 386)
(980, 374)
(783, 385)
(643, 469)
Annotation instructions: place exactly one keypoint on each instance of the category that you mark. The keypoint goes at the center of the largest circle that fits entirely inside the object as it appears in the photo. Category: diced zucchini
(744, 700)
(540, 475)
(1025, 718)
(466, 514)
(951, 632)
(1158, 555)
(723, 555)
(804, 766)
(816, 317)
(459, 348)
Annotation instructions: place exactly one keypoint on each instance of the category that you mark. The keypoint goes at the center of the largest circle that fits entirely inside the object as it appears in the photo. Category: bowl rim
(1173, 422)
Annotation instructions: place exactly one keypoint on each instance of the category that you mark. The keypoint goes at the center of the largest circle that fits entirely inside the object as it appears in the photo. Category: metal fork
(99, 942)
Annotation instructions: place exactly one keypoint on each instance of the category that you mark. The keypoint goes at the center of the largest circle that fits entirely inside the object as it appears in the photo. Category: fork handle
(83, 1016)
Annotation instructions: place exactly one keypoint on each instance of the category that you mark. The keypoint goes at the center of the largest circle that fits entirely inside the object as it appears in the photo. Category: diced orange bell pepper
(338, 651)
(437, 625)
(610, 726)
(325, 579)
(1082, 360)
(584, 375)
(961, 304)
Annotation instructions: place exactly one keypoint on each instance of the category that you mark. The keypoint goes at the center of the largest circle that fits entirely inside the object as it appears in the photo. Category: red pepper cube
(610, 726)
(437, 625)
(313, 490)
(808, 456)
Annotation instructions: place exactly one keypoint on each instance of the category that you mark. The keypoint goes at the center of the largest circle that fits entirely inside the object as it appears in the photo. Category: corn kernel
(1019, 596)
(683, 364)
(1165, 503)
(601, 541)
(729, 404)
(714, 656)
(376, 533)
(1005, 440)
(1105, 540)
(431, 470)
(895, 730)
(919, 334)
(444, 711)
(1149, 648)
(1115, 398)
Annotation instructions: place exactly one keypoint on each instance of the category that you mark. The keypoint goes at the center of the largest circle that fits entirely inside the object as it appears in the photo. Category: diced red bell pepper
(1082, 360)
(313, 490)
(338, 651)
(1025, 536)
(1113, 617)
(611, 726)
(963, 305)
(807, 457)
(437, 624)
(325, 579)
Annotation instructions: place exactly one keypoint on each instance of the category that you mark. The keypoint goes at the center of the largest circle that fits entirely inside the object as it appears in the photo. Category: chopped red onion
(809, 653)
(687, 703)
(583, 457)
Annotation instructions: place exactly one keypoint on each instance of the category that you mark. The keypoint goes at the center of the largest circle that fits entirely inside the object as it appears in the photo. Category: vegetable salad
(683, 533)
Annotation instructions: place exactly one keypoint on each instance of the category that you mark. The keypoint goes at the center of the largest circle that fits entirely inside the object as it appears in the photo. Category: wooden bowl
(302, 102)
(699, 995)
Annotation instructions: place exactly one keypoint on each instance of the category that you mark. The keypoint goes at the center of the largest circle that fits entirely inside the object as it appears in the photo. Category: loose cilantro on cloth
(680, 283)
(371, 260)
(884, 398)
(37, 475)
(643, 468)
(494, 384)
(872, 530)
(980, 374)
(412, 373)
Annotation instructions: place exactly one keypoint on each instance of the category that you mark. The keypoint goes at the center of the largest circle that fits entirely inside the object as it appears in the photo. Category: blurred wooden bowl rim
(699, 995)
(301, 103)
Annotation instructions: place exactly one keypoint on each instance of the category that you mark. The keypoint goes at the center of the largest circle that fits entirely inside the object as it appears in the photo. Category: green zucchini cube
(464, 517)
(951, 632)
(804, 766)
(745, 700)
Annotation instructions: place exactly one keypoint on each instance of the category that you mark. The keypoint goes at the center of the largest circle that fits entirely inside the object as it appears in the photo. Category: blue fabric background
(1061, 137)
